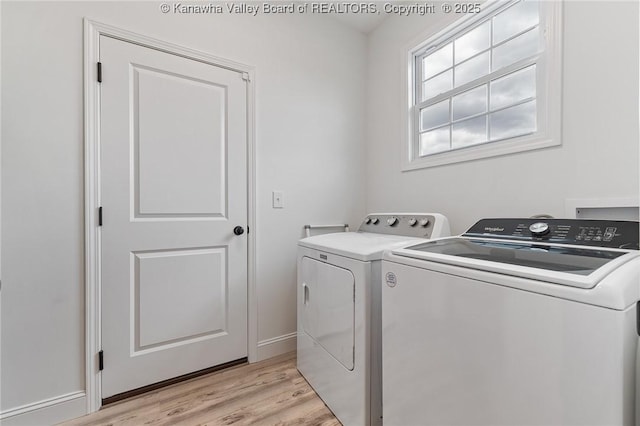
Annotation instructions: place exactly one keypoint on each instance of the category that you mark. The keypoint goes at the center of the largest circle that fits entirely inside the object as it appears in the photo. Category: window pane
(469, 132)
(437, 85)
(512, 51)
(472, 69)
(512, 88)
(434, 115)
(470, 103)
(515, 121)
(437, 62)
(434, 141)
(514, 20)
(473, 42)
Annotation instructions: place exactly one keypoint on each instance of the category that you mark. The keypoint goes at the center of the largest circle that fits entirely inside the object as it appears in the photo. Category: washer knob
(539, 229)
(392, 221)
(424, 222)
(413, 221)
(375, 220)
(367, 221)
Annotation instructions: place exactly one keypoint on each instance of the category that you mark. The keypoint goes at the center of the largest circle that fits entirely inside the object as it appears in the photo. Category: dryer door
(328, 308)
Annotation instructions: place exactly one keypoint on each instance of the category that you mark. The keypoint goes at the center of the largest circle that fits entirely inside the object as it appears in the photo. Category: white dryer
(339, 310)
(517, 321)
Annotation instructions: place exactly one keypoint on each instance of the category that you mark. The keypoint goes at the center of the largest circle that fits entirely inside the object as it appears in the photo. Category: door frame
(93, 336)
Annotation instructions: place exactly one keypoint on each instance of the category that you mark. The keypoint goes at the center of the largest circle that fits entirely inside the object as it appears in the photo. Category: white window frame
(548, 88)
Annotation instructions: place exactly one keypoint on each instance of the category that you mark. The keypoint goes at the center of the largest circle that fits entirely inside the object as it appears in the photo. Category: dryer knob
(413, 221)
(367, 221)
(375, 220)
(392, 221)
(424, 222)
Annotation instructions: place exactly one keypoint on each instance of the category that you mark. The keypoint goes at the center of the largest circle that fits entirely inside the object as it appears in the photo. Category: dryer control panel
(420, 225)
(597, 233)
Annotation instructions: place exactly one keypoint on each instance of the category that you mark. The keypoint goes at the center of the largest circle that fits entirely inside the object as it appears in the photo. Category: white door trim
(92, 32)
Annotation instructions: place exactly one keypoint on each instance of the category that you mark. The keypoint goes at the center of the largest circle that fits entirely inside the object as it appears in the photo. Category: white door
(173, 188)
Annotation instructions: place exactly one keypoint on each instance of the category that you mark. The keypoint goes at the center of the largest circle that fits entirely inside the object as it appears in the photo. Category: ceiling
(363, 22)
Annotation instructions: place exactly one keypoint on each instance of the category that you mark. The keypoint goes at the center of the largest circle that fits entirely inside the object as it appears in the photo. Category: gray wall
(310, 120)
(599, 153)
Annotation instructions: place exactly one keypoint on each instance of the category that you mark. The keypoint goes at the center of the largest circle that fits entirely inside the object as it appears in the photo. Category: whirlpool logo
(494, 229)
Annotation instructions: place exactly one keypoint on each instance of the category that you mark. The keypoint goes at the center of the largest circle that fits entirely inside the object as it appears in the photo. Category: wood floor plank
(266, 393)
(219, 382)
(240, 405)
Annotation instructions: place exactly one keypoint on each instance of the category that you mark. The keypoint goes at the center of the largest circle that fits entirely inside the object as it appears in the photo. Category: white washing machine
(339, 310)
(515, 322)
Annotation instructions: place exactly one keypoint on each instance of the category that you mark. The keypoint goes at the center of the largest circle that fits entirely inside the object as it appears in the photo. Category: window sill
(485, 150)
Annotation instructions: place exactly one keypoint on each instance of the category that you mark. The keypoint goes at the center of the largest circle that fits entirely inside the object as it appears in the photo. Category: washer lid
(364, 246)
(562, 264)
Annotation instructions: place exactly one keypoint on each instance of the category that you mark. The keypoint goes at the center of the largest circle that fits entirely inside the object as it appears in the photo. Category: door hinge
(638, 318)
(100, 216)
(247, 229)
(245, 76)
(99, 72)
(100, 360)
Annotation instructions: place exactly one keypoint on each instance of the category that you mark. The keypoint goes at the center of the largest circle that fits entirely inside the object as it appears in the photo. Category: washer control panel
(600, 233)
(410, 225)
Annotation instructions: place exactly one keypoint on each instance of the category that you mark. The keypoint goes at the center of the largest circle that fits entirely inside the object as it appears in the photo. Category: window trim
(548, 97)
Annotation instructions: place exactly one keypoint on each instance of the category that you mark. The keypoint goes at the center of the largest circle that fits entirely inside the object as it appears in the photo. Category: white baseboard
(276, 346)
(47, 412)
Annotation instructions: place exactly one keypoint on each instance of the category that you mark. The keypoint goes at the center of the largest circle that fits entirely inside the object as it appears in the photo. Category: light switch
(278, 200)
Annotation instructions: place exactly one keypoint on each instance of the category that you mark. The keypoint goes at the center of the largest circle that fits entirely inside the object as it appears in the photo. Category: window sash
(420, 54)
(416, 109)
(548, 95)
(420, 57)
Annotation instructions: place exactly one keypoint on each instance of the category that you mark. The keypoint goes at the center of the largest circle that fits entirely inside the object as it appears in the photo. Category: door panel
(173, 187)
(167, 282)
(173, 164)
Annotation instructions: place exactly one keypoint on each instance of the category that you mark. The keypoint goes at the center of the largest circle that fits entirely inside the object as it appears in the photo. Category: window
(487, 85)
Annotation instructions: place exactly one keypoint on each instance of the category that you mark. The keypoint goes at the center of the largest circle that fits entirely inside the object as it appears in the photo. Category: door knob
(238, 230)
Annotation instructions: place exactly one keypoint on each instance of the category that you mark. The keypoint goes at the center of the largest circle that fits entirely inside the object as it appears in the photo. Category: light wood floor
(270, 392)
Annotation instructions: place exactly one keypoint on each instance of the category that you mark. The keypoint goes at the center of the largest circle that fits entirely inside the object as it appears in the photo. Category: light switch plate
(278, 200)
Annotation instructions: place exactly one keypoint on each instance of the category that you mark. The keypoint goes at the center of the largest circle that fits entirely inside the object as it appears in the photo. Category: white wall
(310, 125)
(599, 152)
